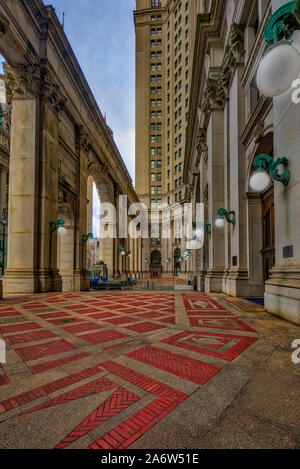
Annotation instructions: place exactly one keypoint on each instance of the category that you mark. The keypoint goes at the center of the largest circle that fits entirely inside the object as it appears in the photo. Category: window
(159, 177)
(153, 177)
(152, 164)
(159, 190)
(153, 190)
(155, 3)
(159, 164)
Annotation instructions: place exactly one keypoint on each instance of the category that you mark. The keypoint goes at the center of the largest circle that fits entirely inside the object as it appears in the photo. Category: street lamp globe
(199, 233)
(220, 222)
(91, 241)
(62, 230)
(278, 69)
(260, 181)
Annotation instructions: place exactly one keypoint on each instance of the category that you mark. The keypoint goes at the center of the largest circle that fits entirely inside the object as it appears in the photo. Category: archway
(261, 232)
(156, 267)
(177, 262)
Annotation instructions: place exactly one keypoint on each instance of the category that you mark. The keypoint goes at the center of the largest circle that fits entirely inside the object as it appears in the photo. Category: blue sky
(101, 33)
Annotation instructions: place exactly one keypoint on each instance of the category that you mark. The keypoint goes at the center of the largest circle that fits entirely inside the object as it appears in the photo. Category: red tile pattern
(28, 337)
(223, 346)
(104, 336)
(99, 385)
(179, 365)
(40, 368)
(33, 352)
(119, 401)
(98, 322)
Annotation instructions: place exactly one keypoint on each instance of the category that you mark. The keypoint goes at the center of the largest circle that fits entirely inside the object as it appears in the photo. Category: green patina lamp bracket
(283, 23)
(230, 216)
(267, 163)
(86, 237)
(54, 225)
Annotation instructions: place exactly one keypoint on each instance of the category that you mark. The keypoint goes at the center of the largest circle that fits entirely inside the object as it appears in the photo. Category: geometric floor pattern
(134, 356)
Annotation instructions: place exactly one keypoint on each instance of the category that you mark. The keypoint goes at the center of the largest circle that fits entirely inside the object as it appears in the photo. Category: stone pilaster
(35, 101)
(81, 277)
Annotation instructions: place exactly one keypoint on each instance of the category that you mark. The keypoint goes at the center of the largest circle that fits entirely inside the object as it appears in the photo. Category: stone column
(215, 142)
(81, 277)
(33, 188)
(282, 294)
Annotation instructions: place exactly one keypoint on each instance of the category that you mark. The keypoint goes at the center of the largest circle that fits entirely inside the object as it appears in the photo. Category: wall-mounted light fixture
(281, 64)
(88, 238)
(168, 260)
(187, 254)
(60, 228)
(222, 215)
(146, 260)
(129, 253)
(268, 168)
(122, 251)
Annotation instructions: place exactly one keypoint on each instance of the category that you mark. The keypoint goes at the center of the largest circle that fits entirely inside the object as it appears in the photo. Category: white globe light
(91, 241)
(62, 230)
(199, 233)
(260, 181)
(220, 223)
(278, 69)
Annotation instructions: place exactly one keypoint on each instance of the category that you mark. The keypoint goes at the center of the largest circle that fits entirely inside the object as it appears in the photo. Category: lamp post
(268, 168)
(223, 215)
(281, 64)
(3, 221)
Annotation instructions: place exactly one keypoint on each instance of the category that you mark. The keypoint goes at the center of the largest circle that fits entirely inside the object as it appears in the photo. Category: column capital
(22, 81)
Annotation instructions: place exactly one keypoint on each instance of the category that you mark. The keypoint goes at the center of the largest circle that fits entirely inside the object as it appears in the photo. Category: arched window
(156, 258)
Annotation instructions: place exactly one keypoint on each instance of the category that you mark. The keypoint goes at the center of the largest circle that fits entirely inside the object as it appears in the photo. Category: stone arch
(105, 189)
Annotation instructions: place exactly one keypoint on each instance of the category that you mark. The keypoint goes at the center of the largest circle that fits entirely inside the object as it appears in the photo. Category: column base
(201, 281)
(282, 294)
(81, 281)
(237, 283)
(28, 281)
(213, 281)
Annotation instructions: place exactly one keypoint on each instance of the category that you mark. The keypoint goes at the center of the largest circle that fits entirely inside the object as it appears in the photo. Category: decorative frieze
(201, 144)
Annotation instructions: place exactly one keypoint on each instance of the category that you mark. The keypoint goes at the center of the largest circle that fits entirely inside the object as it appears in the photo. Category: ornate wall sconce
(122, 251)
(146, 261)
(168, 260)
(60, 228)
(268, 168)
(88, 238)
(281, 64)
(224, 214)
(128, 254)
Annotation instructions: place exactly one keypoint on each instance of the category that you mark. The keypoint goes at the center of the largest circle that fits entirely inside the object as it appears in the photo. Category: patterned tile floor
(140, 370)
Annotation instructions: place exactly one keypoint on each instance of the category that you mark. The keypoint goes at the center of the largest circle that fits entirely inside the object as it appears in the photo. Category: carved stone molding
(233, 56)
(52, 94)
(211, 96)
(82, 139)
(201, 144)
(3, 26)
(22, 81)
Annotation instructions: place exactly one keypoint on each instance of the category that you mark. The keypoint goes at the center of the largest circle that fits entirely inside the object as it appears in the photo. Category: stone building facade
(230, 123)
(57, 139)
(165, 31)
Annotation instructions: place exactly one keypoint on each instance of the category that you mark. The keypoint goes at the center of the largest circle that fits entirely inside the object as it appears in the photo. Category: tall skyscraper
(165, 31)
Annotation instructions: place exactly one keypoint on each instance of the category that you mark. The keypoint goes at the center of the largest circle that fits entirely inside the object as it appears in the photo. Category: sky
(101, 33)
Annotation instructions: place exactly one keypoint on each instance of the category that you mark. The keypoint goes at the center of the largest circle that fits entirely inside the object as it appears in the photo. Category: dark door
(269, 233)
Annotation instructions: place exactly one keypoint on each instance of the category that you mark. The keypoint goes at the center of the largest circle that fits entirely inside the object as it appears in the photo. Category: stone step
(184, 287)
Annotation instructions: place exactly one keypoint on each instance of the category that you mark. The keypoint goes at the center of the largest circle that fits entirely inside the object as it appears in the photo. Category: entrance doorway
(268, 250)
(155, 268)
